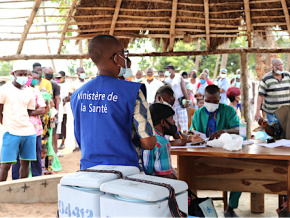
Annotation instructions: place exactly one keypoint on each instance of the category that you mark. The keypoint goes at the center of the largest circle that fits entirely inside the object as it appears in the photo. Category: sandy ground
(70, 164)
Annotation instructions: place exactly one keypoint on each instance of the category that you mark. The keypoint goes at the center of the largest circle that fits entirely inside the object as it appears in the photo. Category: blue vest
(103, 117)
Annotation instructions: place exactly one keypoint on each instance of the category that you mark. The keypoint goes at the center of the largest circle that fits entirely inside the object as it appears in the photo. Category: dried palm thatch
(137, 19)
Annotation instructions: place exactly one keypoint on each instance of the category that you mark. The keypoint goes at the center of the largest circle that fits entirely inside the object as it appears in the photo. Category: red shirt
(208, 81)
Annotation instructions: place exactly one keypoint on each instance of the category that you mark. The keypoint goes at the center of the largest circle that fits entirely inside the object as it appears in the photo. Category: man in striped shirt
(274, 90)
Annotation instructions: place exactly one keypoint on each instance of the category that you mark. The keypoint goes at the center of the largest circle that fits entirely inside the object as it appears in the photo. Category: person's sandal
(61, 147)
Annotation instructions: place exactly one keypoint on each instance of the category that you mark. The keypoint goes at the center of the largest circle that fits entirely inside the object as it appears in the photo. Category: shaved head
(103, 47)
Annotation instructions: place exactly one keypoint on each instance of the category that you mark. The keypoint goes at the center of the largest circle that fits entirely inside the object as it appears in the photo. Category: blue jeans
(270, 118)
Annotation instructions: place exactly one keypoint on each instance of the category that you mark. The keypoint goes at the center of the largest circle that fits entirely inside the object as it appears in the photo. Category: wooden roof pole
(71, 9)
(28, 25)
(207, 30)
(115, 17)
(248, 21)
(172, 25)
(286, 13)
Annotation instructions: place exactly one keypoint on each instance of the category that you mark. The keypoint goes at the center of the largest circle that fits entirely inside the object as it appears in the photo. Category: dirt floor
(70, 164)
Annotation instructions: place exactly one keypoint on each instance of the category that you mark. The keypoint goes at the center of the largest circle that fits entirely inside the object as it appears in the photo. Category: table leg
(186, 170)
(257, 202)
(288, 186)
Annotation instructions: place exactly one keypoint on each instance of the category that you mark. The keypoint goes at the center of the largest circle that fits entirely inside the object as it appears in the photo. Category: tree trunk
(264, 61)
(225, 56)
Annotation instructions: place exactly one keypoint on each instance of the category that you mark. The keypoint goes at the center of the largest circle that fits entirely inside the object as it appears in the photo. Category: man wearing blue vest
(109, 114)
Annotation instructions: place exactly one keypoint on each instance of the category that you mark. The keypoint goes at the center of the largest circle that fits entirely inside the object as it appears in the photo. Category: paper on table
(282, 142)
(247, 142)
(188, 145)
(202, 135)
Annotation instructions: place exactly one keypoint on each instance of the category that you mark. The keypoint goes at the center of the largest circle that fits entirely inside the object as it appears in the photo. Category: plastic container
(126, 198)
(243, 128)
(79, 193)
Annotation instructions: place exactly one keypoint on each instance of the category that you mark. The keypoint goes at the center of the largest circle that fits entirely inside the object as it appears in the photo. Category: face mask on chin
(172, 129)
(138, 80)
(278, 71)
(211, 107)
(128, 73)
(150, 77)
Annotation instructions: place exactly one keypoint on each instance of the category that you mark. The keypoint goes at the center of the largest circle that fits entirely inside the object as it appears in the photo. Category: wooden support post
(248, 21)
(286, 13)
(207, 30)
(245, 91)
(81, 51)
(28, 25)
(71, 9)
(115, 17)
(47, 41)
(172, 25)
(197, 48)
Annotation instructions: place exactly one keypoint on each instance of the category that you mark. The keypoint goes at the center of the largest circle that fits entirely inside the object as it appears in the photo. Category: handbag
(201, 207)
(180, 101)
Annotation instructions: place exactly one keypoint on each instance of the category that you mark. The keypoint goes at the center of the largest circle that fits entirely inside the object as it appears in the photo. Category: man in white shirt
(152, 85)
(178, 86)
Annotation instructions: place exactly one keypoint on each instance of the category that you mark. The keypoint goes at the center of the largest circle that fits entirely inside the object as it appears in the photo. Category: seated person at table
(157, 161)
(280, 127)
(234, 95)
(165, 95)
(214, 119)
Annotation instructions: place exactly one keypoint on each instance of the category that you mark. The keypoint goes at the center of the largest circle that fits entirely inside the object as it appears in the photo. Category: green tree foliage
(5, 68)
(186, 63)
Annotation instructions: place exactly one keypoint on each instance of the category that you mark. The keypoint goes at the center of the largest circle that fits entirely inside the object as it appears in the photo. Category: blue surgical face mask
(123, 70)
(238, 76)
(202, 81)
(167, 73)
(82, 75)
(128, 73)
(21, 80)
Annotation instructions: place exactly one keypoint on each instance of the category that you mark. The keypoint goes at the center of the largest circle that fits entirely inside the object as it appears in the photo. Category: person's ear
(159, 99)
(116, 60)
(162, 122)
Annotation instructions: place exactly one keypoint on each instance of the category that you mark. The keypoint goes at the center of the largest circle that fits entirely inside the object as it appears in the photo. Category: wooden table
(253, 169)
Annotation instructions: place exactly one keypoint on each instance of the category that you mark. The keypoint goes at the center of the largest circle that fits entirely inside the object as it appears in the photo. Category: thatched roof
(226, 19)
(165, 21)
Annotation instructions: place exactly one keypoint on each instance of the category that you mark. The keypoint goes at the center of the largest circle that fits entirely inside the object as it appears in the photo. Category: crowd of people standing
(33, 112)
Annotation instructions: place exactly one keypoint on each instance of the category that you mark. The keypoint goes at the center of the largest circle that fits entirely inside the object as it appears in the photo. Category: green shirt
(227, 118)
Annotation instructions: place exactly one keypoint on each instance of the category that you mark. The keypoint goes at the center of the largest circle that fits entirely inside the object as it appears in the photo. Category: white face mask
(211, 107)
(167, 73)
(223, 75)
(82, 75)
